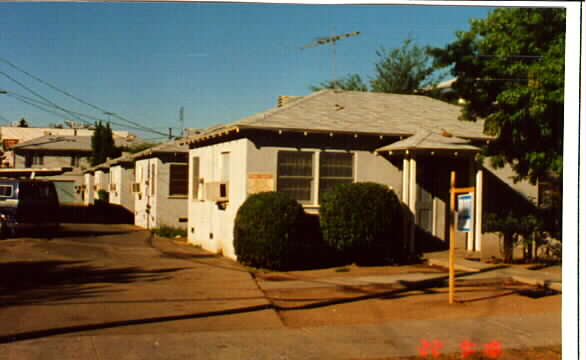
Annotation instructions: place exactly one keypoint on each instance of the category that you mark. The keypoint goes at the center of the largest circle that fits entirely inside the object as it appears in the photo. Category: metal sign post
(453, 217)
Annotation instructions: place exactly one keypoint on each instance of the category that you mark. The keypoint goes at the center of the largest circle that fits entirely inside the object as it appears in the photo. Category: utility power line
(5, 119)
(42, 106)
(38, 95)
(136, 124)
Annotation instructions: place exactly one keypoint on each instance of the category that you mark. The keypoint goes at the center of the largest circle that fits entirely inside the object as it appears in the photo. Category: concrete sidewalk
(397, 338)
(469, 271)
(550, 280)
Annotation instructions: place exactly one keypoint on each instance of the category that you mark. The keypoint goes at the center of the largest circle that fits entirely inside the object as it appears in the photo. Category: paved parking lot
(116, 291)
(114, 279)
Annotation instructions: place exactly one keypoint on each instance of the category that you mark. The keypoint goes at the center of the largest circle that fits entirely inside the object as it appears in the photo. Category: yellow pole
(452, 237)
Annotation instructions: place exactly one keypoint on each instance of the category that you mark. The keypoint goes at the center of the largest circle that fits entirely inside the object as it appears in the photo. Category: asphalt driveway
(119, 279)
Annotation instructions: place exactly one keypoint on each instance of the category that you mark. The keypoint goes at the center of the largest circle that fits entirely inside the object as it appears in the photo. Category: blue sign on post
(465, 212)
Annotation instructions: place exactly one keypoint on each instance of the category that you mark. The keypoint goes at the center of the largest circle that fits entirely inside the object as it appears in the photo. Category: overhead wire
(41, 105)
(38, 95)
(5, 119)
(66, 93)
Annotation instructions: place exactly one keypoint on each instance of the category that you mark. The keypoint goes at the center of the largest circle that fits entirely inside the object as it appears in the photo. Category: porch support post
(412, 200)
(405, 200)
(470, 236)
(405, 192)
(478, 210)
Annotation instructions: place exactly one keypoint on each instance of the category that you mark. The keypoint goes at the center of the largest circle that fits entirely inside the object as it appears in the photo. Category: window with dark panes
(178, 180)
(335, 168)
(5, 190)
(38, 159)
(295, 174)
(75, 160)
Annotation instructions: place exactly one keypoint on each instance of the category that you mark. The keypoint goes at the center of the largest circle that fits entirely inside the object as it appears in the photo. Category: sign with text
(260, 182)
(465, 212)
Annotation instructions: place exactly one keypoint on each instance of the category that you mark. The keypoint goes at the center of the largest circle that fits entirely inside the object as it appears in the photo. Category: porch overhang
(430, 143)
(418, 147)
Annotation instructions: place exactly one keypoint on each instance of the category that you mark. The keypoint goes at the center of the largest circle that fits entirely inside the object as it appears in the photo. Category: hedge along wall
(364, 222)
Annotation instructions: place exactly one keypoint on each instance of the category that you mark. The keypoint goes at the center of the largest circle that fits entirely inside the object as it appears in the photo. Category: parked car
(27, 204)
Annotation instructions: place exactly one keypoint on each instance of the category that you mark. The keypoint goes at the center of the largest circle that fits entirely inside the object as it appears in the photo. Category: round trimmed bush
(268, 225)
(363, 221)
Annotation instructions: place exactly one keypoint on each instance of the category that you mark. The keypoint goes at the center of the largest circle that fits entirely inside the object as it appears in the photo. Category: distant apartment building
(70, 153)
(11, 136)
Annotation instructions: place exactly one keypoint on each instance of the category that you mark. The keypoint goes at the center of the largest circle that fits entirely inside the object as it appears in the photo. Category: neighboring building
(121, 180)
(67, 152)
(160, 186)
(12, 135)
(410, 143)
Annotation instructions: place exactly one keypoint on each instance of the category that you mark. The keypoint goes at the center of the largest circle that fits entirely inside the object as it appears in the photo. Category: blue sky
(220, 61)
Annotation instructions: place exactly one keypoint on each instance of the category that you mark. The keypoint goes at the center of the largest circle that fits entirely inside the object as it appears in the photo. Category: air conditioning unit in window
(216, 191)
(136, 187)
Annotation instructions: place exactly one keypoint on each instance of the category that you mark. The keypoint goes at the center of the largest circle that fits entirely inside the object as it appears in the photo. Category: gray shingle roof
(173, 146)
(427, 140)
(362, 113)
(67, 143)
(169, 147)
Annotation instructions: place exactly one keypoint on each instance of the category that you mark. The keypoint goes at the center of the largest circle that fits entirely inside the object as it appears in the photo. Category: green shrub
(363, 221)
(268, 231)
(103, 195)
(169, 231)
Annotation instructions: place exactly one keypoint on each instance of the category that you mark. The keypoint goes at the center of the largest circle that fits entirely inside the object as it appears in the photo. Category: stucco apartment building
(152, 184)
(306, 145)
(68, 153)
(13, 135)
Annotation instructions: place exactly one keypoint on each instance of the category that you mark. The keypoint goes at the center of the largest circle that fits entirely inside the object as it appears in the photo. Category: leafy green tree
(515, 229)
(103, 146)
(403, 70)
(510, 71)
(352, 82)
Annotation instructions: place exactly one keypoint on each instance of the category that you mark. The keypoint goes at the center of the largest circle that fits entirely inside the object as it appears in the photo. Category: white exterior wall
(153, 207)
(168, 210)
(209, 226)
(212, 228)
(142, 198)
(121, 179)
(101, 181)
(88, 196)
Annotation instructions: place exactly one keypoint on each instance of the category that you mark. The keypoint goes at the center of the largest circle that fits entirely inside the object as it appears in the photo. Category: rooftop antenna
(182, 120)
(327, 40)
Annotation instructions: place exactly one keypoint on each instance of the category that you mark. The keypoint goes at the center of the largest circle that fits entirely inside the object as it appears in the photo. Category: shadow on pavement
(100, 212)
(80, 328)
(37, 282)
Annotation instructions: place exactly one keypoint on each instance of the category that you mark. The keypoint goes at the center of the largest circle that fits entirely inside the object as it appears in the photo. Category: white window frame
(313, 174)
(315, 166)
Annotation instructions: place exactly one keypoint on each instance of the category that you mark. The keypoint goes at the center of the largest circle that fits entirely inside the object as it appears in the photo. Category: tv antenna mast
(182, 120)
(332, 40)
